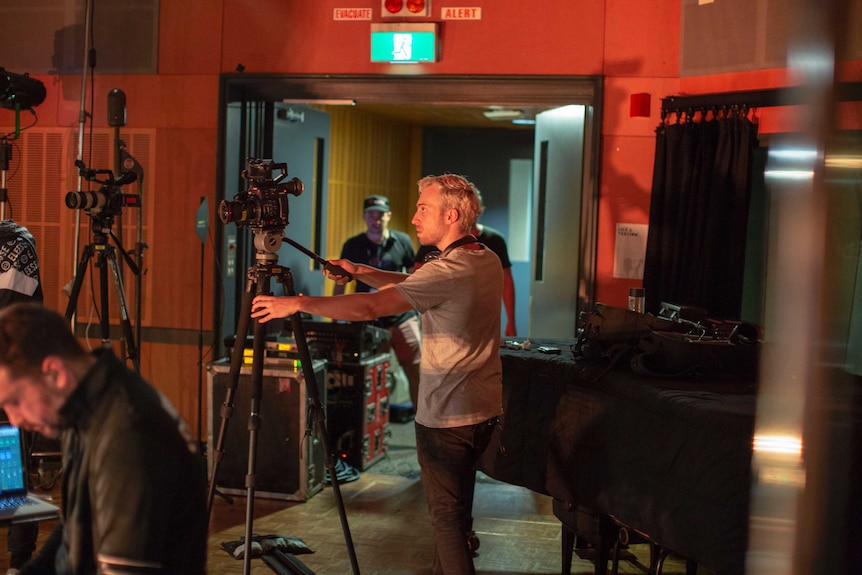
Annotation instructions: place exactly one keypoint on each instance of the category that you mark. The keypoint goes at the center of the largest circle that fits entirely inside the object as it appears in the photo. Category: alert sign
(461, 13)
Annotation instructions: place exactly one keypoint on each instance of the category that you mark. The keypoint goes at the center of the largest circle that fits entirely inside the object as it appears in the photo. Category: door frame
(468, 90)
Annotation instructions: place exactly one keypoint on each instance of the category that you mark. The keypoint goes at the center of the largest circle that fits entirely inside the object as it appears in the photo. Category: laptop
(16, 505)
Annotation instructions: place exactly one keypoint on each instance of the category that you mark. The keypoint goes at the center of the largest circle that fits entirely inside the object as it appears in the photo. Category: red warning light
(393, 6)
(405, 8)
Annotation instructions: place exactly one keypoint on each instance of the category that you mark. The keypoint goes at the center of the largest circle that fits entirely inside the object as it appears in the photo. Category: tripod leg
(318, 416)
(128, 334)
(233, 379)
(254, 423)
(79, 280)
(104, 319)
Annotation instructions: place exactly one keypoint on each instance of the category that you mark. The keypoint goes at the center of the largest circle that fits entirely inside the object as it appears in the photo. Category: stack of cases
(357, 409)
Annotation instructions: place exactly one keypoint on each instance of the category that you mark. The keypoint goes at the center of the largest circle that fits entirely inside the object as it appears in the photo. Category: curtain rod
(793, 95)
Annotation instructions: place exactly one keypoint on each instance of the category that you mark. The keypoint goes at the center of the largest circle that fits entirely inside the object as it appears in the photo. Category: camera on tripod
(264, 205)
(109, 199)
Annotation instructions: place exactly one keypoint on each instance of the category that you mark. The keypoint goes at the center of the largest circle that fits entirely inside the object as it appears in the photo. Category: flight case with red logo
(357, 409)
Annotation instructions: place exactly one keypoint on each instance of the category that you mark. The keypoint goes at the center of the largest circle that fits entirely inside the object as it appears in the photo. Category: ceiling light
(321, 102)
(498, 114)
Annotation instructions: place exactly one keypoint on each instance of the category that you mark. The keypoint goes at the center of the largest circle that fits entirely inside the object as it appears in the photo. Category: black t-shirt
(393, 255)
(493, 239)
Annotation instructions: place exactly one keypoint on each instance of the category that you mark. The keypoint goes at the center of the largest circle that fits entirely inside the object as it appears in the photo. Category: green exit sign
(404, 43)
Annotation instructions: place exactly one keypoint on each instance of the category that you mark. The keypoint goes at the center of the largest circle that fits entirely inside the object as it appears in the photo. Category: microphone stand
(124, 162)
(116, 122)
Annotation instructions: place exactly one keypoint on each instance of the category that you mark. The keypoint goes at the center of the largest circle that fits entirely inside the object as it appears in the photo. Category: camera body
(264, 204)
(109, 199)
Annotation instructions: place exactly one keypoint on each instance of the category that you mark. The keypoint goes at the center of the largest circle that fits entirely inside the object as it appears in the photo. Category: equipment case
(289, 464)
(357, 409)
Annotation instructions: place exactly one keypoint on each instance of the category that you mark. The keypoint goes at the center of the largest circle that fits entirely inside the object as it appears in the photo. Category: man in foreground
(460, 390)
(134, 485)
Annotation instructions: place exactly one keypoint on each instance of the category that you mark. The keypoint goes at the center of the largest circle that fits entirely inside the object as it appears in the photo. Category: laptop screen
(11, 463)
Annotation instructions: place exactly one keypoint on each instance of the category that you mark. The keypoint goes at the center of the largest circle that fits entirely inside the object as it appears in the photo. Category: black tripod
(106, 255)
(267, 243)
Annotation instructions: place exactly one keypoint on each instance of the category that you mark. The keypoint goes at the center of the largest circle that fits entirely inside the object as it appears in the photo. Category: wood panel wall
(369, 155)
(41, 173)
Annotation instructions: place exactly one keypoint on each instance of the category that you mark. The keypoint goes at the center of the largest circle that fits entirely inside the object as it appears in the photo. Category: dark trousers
(448, 458)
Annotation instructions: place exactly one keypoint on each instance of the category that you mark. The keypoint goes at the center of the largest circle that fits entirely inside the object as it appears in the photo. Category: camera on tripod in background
(109, 199)
(264, 205)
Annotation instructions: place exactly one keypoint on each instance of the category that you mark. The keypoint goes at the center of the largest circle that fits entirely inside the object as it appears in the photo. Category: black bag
(671, 354)
(608, 330)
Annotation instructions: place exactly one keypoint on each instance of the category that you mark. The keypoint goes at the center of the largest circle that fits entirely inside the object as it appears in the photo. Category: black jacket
(134, 483)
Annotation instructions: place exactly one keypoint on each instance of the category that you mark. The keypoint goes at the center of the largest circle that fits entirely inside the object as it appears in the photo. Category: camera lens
(225, 211)
(85, 200)
(237, 211)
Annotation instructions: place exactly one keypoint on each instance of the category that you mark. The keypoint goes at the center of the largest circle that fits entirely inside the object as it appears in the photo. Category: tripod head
(100, 225)
(266, 245)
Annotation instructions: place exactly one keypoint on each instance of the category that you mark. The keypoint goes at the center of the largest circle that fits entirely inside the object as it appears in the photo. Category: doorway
(437, 96)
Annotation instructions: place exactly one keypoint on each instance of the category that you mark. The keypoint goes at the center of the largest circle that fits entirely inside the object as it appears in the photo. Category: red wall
(513, 37)
(641, 56)
(633, 44)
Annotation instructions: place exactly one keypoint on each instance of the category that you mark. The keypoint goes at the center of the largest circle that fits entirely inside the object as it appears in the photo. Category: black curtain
(699, 212)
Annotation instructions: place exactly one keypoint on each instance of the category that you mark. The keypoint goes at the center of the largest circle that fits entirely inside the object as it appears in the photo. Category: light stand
(5, 158)
(89, 59)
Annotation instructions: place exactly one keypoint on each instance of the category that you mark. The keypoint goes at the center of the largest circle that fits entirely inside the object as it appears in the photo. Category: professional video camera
(109, 199)
(264, 205)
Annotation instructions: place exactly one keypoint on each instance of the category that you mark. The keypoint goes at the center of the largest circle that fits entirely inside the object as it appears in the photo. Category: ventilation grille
(41, 172)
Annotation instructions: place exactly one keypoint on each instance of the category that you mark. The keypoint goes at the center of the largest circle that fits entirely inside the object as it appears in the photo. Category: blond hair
(457, 192)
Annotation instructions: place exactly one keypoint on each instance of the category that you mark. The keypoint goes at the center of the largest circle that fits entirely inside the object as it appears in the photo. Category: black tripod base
(286, 563)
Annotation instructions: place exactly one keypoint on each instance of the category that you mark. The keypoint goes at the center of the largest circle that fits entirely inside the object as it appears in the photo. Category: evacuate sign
(351, 14)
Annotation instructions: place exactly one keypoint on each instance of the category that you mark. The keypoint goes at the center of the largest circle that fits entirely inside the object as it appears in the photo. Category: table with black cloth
(669, 458)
